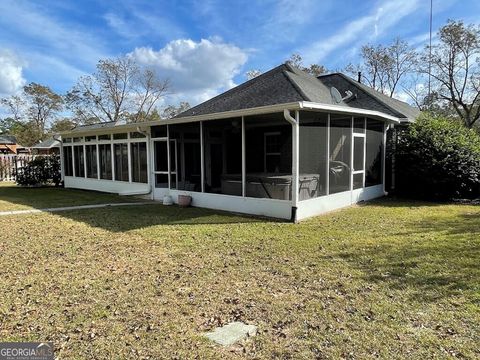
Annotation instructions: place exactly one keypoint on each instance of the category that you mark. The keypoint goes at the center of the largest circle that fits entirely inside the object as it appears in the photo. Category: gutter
(299, 105)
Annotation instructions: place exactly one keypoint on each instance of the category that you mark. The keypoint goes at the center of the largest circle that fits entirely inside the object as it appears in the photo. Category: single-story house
(47, 147)
(9, 146)
(285, 145)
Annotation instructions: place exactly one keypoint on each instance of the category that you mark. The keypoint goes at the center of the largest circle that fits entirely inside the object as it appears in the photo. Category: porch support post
(84, 160)
(295, 157)
(168, 161)
(202, 161)
(112, 157)
(98, 160)
(129, 157)
(244, 168)
(327, 172)
(384, 153)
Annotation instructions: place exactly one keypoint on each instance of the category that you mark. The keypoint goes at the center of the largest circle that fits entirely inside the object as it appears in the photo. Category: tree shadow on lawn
(126, 218)
(437, 259)
(18, 197)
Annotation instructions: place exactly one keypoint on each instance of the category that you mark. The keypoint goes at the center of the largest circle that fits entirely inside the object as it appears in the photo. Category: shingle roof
(8, 139)
(47, 144)
(285, 84)
(368, 98)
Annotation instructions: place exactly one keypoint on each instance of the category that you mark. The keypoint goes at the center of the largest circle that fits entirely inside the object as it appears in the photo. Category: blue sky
(204, 47)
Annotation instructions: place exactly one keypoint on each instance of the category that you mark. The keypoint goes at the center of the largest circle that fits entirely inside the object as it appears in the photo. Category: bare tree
(37, 104)
(171, 110)
(15, 105)
(118, 90)
(455, 69)
(251, 74)
(384, 67)
(296, 61)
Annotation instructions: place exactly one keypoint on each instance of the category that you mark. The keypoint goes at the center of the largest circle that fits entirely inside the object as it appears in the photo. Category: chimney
(359, 77)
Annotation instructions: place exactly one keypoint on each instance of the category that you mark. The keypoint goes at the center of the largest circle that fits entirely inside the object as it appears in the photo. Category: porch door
(165, 173)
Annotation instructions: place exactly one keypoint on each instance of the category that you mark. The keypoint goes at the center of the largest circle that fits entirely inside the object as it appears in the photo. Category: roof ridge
(239, 87)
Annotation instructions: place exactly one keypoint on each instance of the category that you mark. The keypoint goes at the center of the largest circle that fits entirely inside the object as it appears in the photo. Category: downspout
(62, 165)
(295, 135)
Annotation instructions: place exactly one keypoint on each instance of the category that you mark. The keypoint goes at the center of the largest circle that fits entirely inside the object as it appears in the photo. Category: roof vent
(337, 97)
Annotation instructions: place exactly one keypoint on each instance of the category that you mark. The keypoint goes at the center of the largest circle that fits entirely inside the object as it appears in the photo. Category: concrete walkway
(68, 208)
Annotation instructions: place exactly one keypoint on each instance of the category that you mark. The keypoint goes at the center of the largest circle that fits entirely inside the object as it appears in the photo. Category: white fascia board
(306, 105)
(303, 105)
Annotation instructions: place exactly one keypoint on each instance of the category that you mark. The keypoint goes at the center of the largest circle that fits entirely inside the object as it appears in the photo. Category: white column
(129, 156)
(112, 155)
(62, 162)
(244, 168)
(202, 158)
(74, 172)
(98, 161)
(384, 152)
(84, 161)
(295, 159)
(352, 139)
(327, 172)
(168, 160)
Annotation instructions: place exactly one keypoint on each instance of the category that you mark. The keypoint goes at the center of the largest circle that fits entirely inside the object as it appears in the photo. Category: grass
(390, 279)
(22, 198)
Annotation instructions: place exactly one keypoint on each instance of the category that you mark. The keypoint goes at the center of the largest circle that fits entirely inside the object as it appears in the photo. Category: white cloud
(363, 29)
(196, 70)
(11, 76)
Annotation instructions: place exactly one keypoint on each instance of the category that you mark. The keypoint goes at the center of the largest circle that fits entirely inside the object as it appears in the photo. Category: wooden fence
(10, 164)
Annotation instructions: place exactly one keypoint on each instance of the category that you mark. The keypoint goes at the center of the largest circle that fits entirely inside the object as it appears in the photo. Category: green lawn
(389, 279)
(14, 197)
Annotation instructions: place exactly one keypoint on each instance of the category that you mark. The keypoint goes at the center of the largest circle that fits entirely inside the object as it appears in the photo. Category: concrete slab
(231, 333)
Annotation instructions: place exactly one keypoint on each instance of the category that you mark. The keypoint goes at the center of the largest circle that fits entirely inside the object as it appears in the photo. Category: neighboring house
(284, 144)
(46, 147)
(9, 146)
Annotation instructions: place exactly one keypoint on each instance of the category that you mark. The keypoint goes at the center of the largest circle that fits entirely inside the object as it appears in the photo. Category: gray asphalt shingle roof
(285, 84)
(8, 139)
(47, 144)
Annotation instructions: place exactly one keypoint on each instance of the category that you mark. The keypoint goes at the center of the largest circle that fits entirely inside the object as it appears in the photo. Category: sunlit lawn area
(21, 198)
(389, 279)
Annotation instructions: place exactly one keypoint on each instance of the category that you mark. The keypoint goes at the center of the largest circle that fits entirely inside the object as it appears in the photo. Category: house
(284, 144)
(9, 146)
(47, 147)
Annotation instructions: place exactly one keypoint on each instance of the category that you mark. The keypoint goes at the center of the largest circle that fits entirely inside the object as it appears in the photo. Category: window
(90, 138)
(268, 157)
(374, 153)
(272, 152)
(186, 140)
(222, 146)
(79, 161)
(159, 131)
(121, 162)
(136, 135)
(77, 139)
(105, 155)
(91, 158)
(313, 155)
(139, 162)
(161, 163)
(67, 140)
(340, 153)
(121, 136)
(68, 161)
(104, 137)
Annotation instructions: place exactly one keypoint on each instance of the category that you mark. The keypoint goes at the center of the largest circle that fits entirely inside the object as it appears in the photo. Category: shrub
(42, 170)
(438, 158)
